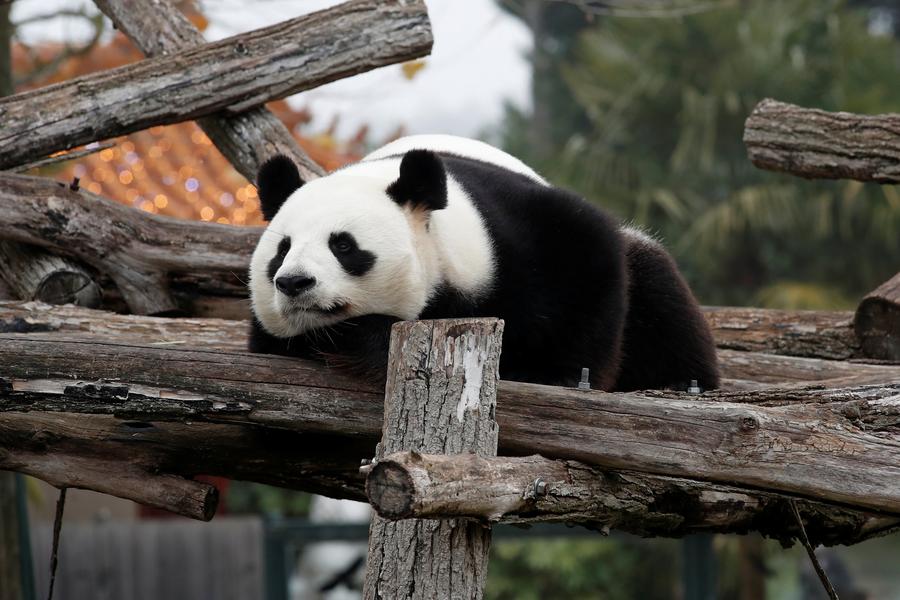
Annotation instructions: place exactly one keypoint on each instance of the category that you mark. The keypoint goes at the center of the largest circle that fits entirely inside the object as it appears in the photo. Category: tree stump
(440, 398)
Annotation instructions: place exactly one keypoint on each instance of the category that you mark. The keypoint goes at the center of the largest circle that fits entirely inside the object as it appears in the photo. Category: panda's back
(456, 146)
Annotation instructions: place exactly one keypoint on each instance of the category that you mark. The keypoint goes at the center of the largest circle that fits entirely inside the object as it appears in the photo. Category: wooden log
(760, 370)
(231, 75)
(790, 440)
(877, 321)
(441, 396)
(817, 144)
(34, 274)
(532, 489)
(139, 252)
(181, 496)
(742, 370)
(809, 333)
(246, 140)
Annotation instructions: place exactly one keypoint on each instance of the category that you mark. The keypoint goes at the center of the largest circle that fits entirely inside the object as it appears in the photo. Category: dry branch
(231, 75)
(535, 489)
(835, 445)
(877, 321)
(181, 496)
(246, 140)
(818, 144)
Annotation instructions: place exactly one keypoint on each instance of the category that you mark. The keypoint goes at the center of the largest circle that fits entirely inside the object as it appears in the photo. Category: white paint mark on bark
(472, 359)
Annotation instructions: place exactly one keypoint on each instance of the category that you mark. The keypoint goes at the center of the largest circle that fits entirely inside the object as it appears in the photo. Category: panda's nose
(294, 285)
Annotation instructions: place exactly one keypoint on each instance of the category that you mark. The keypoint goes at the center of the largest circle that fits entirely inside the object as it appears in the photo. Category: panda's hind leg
(667, 342)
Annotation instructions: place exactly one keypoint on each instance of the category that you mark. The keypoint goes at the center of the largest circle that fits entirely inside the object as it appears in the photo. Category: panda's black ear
(277, 179)
(422, 182)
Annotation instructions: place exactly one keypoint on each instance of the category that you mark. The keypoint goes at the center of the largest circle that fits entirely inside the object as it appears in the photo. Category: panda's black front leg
(359, 345)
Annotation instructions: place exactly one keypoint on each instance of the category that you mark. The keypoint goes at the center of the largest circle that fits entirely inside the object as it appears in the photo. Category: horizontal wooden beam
(741, 370)
(535, 489)
(246, 140)
(231, 75)
(817, 144)
(792, 440)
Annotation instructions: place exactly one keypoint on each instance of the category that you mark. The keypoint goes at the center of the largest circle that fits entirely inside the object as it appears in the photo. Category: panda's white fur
(409, 266)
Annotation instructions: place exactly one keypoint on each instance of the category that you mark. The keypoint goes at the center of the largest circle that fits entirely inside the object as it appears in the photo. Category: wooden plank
(817, 144)
(232, 75)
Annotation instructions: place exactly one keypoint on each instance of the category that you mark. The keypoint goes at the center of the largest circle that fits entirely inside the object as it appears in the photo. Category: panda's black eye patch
(353, 259)
(283, 246)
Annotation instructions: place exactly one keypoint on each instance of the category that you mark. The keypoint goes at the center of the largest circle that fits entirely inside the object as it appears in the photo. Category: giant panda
(436, 226)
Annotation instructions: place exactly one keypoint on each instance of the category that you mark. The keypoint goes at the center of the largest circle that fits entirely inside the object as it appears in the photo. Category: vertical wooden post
(440, 397)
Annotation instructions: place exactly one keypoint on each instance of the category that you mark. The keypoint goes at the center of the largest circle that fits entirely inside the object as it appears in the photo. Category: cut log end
(390, 490)
(877, 321)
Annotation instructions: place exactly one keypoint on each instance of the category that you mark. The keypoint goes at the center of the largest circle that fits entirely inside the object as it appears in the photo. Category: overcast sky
(477, 64)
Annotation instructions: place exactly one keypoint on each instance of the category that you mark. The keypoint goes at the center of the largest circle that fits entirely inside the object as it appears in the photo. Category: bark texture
(231, 75)
(141, 253)
(809, 333)
(531, 489)
(441, 396)
(877, 321)
(834, 445)
(756, 370)
(818, 144)
(34, 274)
(246, 140)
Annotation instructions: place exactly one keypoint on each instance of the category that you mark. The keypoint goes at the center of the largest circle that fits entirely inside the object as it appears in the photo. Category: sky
(478, 63)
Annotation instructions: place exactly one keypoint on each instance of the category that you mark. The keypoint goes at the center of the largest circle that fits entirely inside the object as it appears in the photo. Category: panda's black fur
(574, 289)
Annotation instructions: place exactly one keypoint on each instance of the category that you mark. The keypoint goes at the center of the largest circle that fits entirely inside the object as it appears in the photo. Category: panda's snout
(294, 285)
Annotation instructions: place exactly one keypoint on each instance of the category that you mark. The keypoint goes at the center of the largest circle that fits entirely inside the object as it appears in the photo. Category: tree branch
(231, 75)
(246, 140)
(817, 144)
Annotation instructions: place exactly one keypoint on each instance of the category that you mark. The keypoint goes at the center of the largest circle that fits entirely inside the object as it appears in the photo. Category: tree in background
(660, 106)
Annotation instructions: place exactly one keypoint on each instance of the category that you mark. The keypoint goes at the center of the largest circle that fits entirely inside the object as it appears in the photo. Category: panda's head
(344, 245)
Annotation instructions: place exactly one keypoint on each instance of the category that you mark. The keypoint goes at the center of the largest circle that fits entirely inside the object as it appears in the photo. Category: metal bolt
(539, 487)
(694, 387)
(585, 383)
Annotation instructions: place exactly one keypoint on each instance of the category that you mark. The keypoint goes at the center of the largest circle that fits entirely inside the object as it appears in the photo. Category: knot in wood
(749, 423)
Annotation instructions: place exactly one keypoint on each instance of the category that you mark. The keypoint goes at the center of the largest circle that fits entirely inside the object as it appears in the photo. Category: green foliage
(579, 569)
(665, 102)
